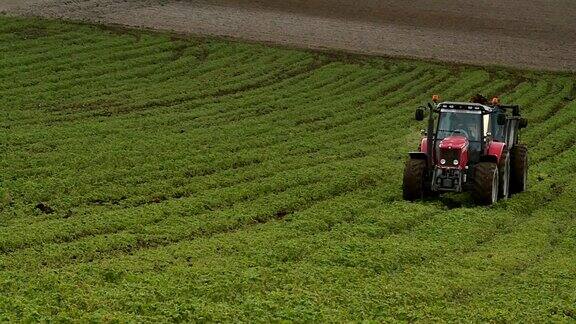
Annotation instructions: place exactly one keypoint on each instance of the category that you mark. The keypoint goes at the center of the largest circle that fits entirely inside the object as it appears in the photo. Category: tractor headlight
(455, 162)
(442, 161)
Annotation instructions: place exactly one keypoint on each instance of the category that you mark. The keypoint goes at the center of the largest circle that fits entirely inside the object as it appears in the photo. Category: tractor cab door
(511, 132)
(476, 147)
(506, 133)
(499, 132)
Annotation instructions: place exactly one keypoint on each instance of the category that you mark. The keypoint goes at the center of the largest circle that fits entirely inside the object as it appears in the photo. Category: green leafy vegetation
(149, 177)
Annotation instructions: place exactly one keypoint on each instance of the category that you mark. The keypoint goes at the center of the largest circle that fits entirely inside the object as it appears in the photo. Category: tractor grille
(449, 155)
(447, 179)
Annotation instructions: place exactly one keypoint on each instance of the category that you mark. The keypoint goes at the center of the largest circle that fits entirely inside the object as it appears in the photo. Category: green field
(202, 179)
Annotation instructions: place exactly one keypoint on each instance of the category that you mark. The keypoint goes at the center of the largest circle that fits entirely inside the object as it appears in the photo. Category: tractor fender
(418, 155)
(494, 151)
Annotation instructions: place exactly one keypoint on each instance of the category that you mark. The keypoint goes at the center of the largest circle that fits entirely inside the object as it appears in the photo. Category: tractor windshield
(459, 122)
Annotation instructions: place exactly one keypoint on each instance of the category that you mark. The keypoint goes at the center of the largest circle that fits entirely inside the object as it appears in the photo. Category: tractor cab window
(460, 122)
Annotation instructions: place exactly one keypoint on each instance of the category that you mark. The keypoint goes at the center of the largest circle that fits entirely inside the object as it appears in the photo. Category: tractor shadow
(453, 200)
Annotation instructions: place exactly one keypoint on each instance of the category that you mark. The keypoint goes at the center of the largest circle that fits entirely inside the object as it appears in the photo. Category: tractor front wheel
(414, 175)
(519, 168)
(486, 183)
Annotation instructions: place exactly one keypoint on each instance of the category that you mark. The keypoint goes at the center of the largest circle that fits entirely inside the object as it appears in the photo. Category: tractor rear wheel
(504, 175)
(413, 184)
(486, 183)
(518, 168)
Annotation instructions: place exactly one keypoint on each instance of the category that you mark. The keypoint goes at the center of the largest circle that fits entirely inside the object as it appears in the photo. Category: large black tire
(504, 175)
(518, 168)
(485, 183)
(414, 176)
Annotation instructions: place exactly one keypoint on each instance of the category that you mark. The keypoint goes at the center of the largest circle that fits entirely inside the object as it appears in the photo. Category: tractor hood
(456, 142)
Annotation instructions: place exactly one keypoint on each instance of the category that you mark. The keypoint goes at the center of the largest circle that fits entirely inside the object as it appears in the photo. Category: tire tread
(413, 182)
(482, 182)
(518, 165)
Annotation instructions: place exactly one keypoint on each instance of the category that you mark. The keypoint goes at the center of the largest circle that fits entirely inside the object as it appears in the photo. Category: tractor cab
(465, 123)
(462, 125)
(461, 121)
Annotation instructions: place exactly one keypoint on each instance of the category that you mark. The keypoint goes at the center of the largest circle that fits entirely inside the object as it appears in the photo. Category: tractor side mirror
(419, 114)
(522, 123)
(501, 119)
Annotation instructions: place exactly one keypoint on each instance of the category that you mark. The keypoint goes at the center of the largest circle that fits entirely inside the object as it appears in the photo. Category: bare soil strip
(533, 34)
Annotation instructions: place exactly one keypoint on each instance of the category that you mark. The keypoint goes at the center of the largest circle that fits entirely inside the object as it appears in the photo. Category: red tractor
(472, 147)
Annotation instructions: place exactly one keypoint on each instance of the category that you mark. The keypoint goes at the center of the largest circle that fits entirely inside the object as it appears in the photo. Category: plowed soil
(535, 34)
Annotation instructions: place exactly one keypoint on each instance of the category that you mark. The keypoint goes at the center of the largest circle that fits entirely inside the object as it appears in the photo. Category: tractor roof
(467, 106)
